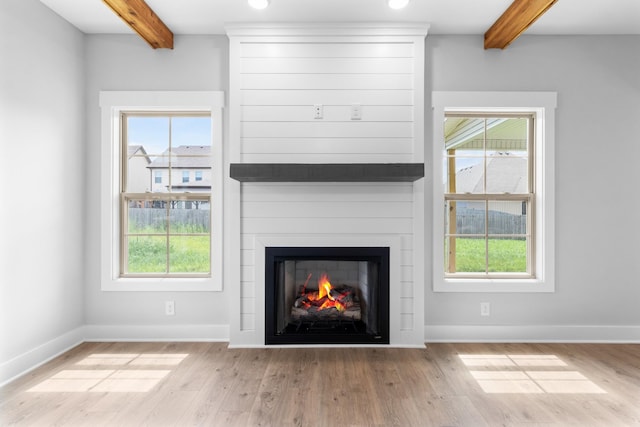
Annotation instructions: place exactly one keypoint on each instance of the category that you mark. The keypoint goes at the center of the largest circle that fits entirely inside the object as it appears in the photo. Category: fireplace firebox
(327, 295)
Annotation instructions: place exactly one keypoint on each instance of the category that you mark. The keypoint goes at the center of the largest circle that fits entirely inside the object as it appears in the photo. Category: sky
(153, 132)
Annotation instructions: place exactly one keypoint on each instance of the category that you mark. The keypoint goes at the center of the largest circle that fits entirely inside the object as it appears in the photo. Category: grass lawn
(187, 254)
(505, 255)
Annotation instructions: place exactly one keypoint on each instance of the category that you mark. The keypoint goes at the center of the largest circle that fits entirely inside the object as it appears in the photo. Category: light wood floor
(207, 384)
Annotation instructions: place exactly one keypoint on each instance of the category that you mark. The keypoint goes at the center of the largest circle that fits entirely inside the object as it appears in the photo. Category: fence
(181, 220)
(472, 221)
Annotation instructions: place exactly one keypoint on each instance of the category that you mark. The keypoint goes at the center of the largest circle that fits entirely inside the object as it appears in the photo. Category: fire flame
(324, 291)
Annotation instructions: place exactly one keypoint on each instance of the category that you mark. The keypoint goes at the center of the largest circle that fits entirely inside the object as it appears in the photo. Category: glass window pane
(507, 159)
(508, 217)
(507, 135)
(147, 216)
(464, 133)
(507, 255)
(150, 132)
(138, 173)
(185, 166)
(146, 254)
(470, 217)
(470, 255)
(189, 254)
(190, 216)
(191, 131)
(507, 173)
(469, 175)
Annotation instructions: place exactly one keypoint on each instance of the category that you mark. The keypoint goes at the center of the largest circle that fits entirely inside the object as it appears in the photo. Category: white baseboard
(26, 362)
(536, 333)
(39, 355)
(206, 333)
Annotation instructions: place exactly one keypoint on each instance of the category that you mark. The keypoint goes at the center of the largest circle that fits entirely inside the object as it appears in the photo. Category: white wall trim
(532, 333)
(340, 29)
(38, 356)
(153, 333)
(30, 360)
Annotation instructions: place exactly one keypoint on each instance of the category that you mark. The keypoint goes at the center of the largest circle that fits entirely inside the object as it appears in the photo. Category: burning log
(327, 302)
(352, 313)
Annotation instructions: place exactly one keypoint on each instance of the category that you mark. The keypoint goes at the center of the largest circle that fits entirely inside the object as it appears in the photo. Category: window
(493, 191)
(198, 175)
(487, 187)
(158, 233)
(165, 232)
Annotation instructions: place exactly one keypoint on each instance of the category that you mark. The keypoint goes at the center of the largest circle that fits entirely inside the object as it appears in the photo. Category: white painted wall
(127, 63)
(42, 175)
(597, 178)
(278, 77)
(281, 82)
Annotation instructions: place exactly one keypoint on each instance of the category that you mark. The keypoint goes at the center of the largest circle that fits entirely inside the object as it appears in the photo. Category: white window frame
(542, 105)
(112, 104)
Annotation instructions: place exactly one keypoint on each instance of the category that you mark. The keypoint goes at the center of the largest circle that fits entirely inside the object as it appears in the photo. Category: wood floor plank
(207, 384)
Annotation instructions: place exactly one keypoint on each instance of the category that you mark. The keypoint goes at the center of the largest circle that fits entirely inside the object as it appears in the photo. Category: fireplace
(326, 295)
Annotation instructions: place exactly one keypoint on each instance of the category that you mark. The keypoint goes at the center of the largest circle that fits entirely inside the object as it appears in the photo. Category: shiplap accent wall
(277, 75)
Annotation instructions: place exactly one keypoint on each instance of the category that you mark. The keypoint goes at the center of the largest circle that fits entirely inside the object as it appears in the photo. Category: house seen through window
(166, 217)
(489, 189)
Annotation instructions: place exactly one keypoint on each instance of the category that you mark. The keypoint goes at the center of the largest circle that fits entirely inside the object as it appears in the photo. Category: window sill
(493, 285)
(160, 285)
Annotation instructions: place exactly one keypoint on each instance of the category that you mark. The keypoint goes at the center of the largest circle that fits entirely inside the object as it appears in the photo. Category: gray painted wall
(42, 177)
(127, 63)
(596, 159)
(597, 173)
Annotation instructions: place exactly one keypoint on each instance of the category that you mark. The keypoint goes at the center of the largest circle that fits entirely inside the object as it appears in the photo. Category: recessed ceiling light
(258, 4)
(397, 4)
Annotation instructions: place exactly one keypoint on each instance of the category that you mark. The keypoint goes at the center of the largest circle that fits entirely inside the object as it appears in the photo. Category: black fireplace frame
(378, 255)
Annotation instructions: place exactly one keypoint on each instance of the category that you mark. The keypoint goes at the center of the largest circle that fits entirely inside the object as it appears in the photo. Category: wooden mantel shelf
(327, 172)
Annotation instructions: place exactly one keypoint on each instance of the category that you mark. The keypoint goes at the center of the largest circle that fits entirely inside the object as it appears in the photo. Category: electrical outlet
(169, 308)
(317, 111)
(485, 309)
(356, 112)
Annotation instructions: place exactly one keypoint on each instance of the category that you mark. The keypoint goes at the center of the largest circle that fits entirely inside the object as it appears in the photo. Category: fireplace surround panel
(299, 181)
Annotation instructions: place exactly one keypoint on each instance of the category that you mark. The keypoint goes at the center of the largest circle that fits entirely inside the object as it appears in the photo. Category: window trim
(112, 104)
(542, 105)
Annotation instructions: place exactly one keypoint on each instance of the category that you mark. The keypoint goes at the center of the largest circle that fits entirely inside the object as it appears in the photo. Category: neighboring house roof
(506, 173)
(184, 157)
(138, 151)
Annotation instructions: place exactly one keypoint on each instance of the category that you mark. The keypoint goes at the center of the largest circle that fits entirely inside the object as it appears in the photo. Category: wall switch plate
(356, 112)
(317, 111)
(169, 308)
(485, 309)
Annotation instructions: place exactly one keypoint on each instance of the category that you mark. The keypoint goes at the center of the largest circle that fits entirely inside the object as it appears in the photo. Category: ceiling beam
(514, 21)
(143, 20)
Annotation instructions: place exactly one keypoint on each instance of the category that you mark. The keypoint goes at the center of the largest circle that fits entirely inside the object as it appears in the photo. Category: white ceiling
(444, 16)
